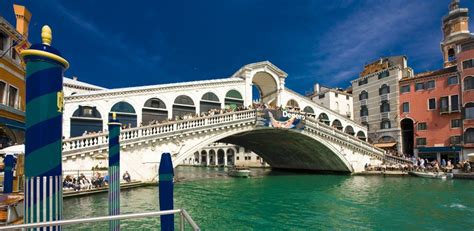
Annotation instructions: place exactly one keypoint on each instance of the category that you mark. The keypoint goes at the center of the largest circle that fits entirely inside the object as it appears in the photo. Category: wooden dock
(72, 193)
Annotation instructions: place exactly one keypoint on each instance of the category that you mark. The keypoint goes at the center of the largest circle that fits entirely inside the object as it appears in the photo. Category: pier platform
(133, 184)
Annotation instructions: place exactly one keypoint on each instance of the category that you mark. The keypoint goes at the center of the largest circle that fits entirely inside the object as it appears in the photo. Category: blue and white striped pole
(43, 144)
(166, 191)
(114, 171)
(9, 163)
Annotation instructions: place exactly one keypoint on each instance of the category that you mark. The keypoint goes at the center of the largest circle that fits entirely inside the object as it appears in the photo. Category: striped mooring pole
(114, 171)
(166, 191)
(43, 142)
(9, 162)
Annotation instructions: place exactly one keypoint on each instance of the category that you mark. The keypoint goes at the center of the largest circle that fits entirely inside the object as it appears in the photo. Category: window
(422, 126)
(3, 42)
(347, 97)
(405, 89)
(430, 84)
(468, 83)
(384, 89)
(237, 158)
(12, 96)
(432, 104)
(451, 55)
(469, 135)
(362, 82)
(406, 107)
(364, 111)
(258, 158)
(383, 74)
(444, 104)
(468, 64)
(420, 141)
(336, 95)
(419, 86)
(455, 140)
(385, 124)
(320, 96)
(363, 95)
(452, 80)
(469, 111)
(455, 123)
(454, 103)
(3, 86)
(385, 107)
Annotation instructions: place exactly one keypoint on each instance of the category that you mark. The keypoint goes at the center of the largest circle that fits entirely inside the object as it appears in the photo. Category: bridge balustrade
(89, 141)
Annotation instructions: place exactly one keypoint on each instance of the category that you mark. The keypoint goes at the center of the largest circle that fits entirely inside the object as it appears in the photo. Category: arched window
(323, 118)
(233, 99)
(385, 124)
(154, 110)
(337, 124)
(469, 135)
(308, 109)
(364, 111)
(468, 83)
(361, 135)
(363, 95)
(85, 120)
(469, 111)
(384, 89)
(349, 130)
(385, 107)
(125, 114)
(183, 106)
(451, 55)
(292, 104)
(208, 102)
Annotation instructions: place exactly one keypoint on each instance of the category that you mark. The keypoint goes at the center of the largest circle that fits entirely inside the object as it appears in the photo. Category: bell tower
(455, 29)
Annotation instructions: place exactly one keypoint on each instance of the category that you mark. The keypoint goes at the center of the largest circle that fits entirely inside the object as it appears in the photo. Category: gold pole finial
(114, 116)
(46, 35)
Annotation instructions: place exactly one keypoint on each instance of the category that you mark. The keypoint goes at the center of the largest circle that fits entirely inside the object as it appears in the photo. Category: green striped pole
(43, 143)
(114, 172)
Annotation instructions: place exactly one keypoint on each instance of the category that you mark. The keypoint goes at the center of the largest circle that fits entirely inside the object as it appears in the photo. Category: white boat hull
(239, 173)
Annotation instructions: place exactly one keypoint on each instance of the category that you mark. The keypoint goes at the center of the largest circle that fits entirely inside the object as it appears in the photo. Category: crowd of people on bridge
(95, 182)
(423, 165)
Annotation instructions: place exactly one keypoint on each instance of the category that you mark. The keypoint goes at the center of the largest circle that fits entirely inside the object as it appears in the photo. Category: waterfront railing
(184, 218)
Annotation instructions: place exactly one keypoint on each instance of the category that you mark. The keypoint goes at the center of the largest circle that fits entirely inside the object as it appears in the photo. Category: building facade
(12, 78)
(376, 100)
(336, 99)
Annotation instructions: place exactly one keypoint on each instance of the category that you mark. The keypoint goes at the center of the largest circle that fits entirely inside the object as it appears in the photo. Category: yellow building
(12, 78)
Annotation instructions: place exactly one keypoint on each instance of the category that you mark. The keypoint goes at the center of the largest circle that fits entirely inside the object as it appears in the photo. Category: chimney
(23, 17)
(316, 88)
(74, 78)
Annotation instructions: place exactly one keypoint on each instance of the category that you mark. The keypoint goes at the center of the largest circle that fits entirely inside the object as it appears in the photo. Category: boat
(239, 172)
(11, 208)
(433, 175)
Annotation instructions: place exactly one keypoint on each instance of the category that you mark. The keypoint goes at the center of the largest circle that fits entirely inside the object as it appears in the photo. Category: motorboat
(433, 175)
(11, 208)
(239, 172)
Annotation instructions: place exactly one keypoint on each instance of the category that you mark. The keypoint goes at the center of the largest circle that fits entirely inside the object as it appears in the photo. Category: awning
(385, 145)
(439, 149)
(16, 149)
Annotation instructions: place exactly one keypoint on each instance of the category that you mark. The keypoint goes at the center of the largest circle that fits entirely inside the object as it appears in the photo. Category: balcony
(363, 102)
(444, 110)
(384, 97)
(385, 115)
(364, 119)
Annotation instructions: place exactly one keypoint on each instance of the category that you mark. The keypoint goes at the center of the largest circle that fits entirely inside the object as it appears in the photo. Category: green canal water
(286, 201)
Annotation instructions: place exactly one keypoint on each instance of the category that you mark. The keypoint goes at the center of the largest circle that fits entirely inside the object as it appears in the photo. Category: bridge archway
(408, 137)
(220, 157)
(230, 155)
(292, 104)
(349, 130)
(361, 136)
(267, 87)
(308, 109)
(125, 112)
(208, 102)
(154, 109)
(233, 99)
(323, 118)
(183, 106)
(85, 119)
(337, 124)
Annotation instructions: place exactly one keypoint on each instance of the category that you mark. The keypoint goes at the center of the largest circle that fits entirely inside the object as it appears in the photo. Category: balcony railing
(384, 97)
(363, 102)
(385, 115)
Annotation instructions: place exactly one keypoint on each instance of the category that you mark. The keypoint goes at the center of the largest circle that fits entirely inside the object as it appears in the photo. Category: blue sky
(133, 43)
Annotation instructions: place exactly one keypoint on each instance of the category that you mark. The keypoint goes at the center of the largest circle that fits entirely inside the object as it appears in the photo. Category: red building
(437, 107)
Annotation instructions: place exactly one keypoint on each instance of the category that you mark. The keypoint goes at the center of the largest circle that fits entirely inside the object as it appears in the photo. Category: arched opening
(292, 104)
(385, 107)
(220, 157)
(233, 99)
(154, 111)
(323, 118)
(469, 111)
(361, 136)
(384, 89)
(337, 124)
(212, 157)
(363, 95)
(267, 88)
(85, 120)
(183, 106)
(125, 114)
(408, 137)
(349, 130)
(451, 55)
(308, 109)
(208, 102)
(468, 83)
(230, 156)
(469, 136)
(203, 160)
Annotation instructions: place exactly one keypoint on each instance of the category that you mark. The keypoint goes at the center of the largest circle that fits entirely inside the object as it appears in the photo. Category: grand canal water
(284, 201)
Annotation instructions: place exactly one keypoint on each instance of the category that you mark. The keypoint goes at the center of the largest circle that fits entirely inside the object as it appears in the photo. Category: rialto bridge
(327, 142)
